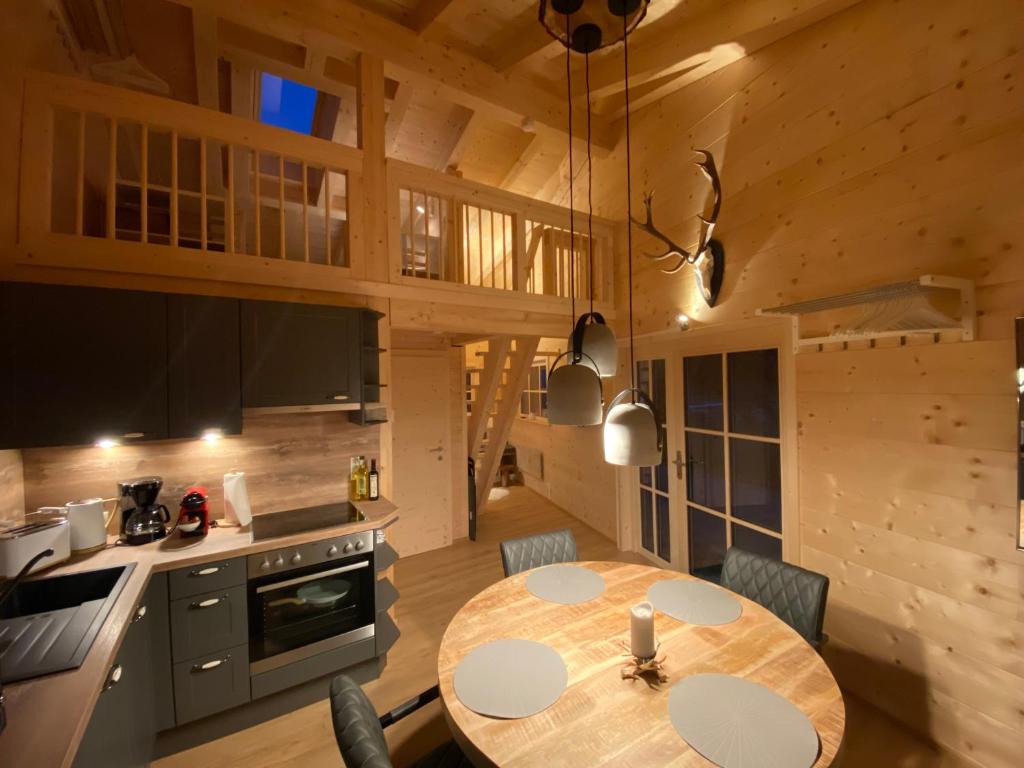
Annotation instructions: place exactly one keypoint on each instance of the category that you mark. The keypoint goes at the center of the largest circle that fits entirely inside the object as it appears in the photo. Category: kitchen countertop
(47, 716)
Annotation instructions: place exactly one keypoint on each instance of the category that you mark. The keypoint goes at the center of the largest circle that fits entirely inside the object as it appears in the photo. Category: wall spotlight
(683, 321)
(420, 209)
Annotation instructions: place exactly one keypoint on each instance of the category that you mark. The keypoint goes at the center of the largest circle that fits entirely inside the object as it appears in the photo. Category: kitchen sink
(49, 624)
(60, 592)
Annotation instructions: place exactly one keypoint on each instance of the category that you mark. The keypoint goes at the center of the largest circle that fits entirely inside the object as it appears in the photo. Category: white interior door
(421, 446)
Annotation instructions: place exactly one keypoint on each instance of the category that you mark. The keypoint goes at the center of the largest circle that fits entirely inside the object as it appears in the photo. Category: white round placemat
(510, 678)
(694, 602)
(735, 723)
(565, 584)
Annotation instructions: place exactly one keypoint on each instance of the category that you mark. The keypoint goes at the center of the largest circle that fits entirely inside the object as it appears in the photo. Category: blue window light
(286, 104)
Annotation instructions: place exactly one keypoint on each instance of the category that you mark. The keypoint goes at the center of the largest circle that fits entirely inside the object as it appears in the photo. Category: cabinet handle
(140, 614)
(338, 397)
(114, 677)
(209, 570)
(208, 665)
(209, 603)
(133, 435)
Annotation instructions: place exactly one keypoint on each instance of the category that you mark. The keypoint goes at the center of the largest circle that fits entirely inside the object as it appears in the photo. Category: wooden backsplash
(12, 494)
(290, 460)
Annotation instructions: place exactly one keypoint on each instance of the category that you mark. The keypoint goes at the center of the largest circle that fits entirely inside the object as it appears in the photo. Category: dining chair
(794, 594)
(360, 733)
(519, 555)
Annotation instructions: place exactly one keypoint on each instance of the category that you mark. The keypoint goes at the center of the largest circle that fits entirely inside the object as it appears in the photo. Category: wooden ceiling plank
(396, 116)
(426, 13)
(524, 38)
(524, 160)
(671, 44)
(454, 146)
(204, 43)
(339, 26)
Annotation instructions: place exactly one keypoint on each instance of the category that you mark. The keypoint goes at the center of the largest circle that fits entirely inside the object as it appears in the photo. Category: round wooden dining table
(601, 719)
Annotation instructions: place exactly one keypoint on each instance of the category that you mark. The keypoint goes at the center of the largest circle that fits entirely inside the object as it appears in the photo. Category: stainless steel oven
(309, 599)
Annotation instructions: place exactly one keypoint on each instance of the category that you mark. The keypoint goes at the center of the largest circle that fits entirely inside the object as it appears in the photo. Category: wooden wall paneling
(459, 443)
(290, 461)
(12, 486)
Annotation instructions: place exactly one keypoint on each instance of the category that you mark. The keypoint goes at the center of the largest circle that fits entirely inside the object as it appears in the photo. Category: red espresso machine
(194, 517)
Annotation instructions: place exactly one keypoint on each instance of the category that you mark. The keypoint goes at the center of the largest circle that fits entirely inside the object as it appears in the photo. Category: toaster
(20, 542)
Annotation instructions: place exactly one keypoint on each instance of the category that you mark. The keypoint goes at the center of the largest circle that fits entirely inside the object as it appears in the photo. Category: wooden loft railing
(120, 181)
(454, 232)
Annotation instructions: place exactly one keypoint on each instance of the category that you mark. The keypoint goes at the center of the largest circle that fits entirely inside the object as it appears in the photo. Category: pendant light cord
(629, 206)
(572, 223)
(590, 194)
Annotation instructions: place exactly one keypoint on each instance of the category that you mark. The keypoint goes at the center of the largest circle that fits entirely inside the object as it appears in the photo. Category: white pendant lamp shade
(632, 437)
(599, 349)
(574, 395)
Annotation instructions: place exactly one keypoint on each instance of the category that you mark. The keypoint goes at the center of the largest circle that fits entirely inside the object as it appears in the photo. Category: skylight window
(287, 104)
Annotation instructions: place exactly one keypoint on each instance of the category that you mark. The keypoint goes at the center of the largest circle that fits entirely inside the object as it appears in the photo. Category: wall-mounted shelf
(928, 305)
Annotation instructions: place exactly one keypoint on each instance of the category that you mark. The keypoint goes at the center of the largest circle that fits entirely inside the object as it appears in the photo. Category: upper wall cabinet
(80, 364)
(204, 375)
(300, 355)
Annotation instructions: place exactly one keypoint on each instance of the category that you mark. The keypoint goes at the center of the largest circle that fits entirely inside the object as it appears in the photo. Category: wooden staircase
(506, 368)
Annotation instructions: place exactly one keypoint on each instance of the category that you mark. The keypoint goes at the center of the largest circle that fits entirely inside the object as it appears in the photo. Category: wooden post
(372, 264)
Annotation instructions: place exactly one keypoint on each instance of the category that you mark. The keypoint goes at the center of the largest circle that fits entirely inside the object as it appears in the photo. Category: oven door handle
(312, 577)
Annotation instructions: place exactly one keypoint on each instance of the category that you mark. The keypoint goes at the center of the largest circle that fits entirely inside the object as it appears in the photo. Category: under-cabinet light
(106, 442)
(212, 435)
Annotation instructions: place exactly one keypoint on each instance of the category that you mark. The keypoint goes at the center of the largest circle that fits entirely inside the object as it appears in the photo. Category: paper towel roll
(236, 500)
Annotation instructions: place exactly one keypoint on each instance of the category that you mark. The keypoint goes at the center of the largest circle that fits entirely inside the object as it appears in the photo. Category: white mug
(88, 519)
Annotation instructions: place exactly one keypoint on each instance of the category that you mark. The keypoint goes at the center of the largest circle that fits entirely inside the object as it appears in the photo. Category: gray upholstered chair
(534, 551)
(360, 733)
(794, 594)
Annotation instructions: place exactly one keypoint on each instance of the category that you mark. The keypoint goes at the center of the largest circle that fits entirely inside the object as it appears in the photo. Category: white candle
(641, 630)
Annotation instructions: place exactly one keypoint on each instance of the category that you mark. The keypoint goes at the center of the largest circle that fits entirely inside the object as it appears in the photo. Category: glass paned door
(733, 448)
(655, 519)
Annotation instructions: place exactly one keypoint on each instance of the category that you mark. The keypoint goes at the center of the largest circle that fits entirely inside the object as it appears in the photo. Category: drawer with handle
(211, 683)
(206, 577)
(209, 622)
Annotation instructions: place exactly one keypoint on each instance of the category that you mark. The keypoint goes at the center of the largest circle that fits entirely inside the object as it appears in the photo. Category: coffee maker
(145, 520)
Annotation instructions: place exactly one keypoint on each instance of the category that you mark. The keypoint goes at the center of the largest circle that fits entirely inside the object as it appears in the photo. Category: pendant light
(574, 389)
(597, 342)
(632, 435)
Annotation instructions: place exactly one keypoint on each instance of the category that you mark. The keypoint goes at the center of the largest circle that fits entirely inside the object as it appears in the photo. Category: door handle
(678, 461)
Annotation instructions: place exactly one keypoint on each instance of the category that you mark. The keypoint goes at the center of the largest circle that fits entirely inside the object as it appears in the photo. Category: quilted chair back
(794, 594)
(356, 726)
(534, 551)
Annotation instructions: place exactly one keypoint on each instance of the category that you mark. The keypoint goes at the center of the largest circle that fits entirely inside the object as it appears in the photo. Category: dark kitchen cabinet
(136, 698)
(204, 371)
(300, 355)
(80, 364)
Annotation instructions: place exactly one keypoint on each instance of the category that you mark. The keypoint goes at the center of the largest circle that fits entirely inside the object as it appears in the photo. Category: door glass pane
(756, 542)
(645, 476)
(661, 473)
(643, 376)
(664, 528)
(702, 380)
(756, 482)
(657, 389)
(646, 521)
(707, 544)
(754, 392)
(705, 470)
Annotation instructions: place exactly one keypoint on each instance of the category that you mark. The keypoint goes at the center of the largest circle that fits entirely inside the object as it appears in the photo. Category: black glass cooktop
(275, 524)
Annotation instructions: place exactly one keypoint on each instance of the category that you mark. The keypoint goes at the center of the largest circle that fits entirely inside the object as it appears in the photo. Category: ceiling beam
(454, 144)
(426, 13)
(522, 162)
(675, 42)
(204, 44)
(340, 26)
(396, 116)
(525, 37)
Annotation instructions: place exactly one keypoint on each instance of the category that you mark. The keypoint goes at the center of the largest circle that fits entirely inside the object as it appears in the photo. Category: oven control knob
(359, 545)
(332, 551)
(280, 561)
(265, 565)
(347, 548)
(296, 558)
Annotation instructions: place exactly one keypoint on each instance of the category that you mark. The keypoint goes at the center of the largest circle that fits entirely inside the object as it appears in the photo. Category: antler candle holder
(642, 650)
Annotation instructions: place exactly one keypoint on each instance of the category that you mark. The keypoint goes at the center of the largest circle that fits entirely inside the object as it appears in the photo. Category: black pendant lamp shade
(589, 25)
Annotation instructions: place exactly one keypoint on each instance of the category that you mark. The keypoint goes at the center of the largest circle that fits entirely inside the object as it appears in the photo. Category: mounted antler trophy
(708, 260)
